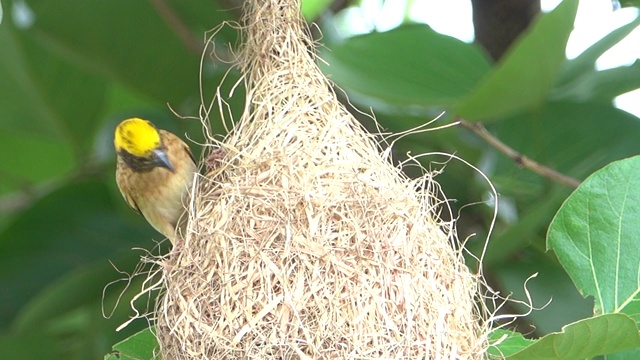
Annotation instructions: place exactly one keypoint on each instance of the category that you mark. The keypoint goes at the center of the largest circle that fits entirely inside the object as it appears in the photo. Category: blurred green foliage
(71, 70)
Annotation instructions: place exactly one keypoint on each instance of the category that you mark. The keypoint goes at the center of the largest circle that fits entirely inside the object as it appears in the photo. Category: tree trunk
(498, 23)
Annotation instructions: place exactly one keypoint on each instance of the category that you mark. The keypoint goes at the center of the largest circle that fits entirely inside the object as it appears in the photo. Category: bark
(498, 23)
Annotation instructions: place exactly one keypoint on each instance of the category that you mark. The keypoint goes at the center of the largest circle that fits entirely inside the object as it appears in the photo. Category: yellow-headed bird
(155, 171)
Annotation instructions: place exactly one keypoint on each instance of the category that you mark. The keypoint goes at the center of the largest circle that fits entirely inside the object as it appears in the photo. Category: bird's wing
(171, 140)
(132, 202)
(188, 150)
(122, 173)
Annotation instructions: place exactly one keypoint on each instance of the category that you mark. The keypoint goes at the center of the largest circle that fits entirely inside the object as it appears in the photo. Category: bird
(154, 172)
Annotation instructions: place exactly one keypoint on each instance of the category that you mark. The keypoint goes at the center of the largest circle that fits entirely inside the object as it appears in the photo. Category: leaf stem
(520, 160)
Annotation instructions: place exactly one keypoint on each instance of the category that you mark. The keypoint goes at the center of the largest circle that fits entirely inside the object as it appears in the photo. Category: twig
(179, 27)
(13, 203)
(519, 159)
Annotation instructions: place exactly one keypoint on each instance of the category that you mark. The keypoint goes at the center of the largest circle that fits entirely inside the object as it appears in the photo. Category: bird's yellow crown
(136, 136)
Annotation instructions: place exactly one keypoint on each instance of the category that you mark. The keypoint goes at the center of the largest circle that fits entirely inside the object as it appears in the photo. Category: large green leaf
(72, 227)
(44, 95)
(203, 16)
(526, 74)
(28, 346)
(587, 338)
(70, 310)
(571, 137)
(408, 66)
(311, 9)
(602, 86)
(126, 40)
(86, 284)
(632, 354)
(71, 97)
(18, 91)
(635, 3)
(585, 62)
(69, 313)
(32, 159)
(595, 236)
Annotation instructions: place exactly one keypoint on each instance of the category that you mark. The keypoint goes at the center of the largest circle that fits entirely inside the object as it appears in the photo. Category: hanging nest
(305, 242)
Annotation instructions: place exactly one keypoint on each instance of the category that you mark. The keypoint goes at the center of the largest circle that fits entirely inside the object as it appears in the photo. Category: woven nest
(305, 242)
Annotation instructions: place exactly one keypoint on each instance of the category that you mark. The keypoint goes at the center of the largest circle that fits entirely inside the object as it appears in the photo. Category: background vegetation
(71, 70)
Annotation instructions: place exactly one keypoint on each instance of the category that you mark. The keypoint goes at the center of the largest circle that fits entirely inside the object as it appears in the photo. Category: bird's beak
(162, 160)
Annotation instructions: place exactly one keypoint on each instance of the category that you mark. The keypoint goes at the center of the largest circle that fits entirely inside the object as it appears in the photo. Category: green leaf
(71, 97)
(44, 95)
(28, 346)
(129, 41)
(602, 86)
(141, 346)
(526, 74)
(587, 338)
(72, 227)
(19, 91)
(628, 3)
(505, 342)
(585, 62)
(595, 237)
(71, 309)
(202, 16)
(311, 9)
(409, 66)
(87, 284)
(633, 354)
(27, 165)
(568, 137)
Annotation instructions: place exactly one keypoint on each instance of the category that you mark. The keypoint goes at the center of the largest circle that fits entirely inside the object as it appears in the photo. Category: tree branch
(178, 26)
(520, 160)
